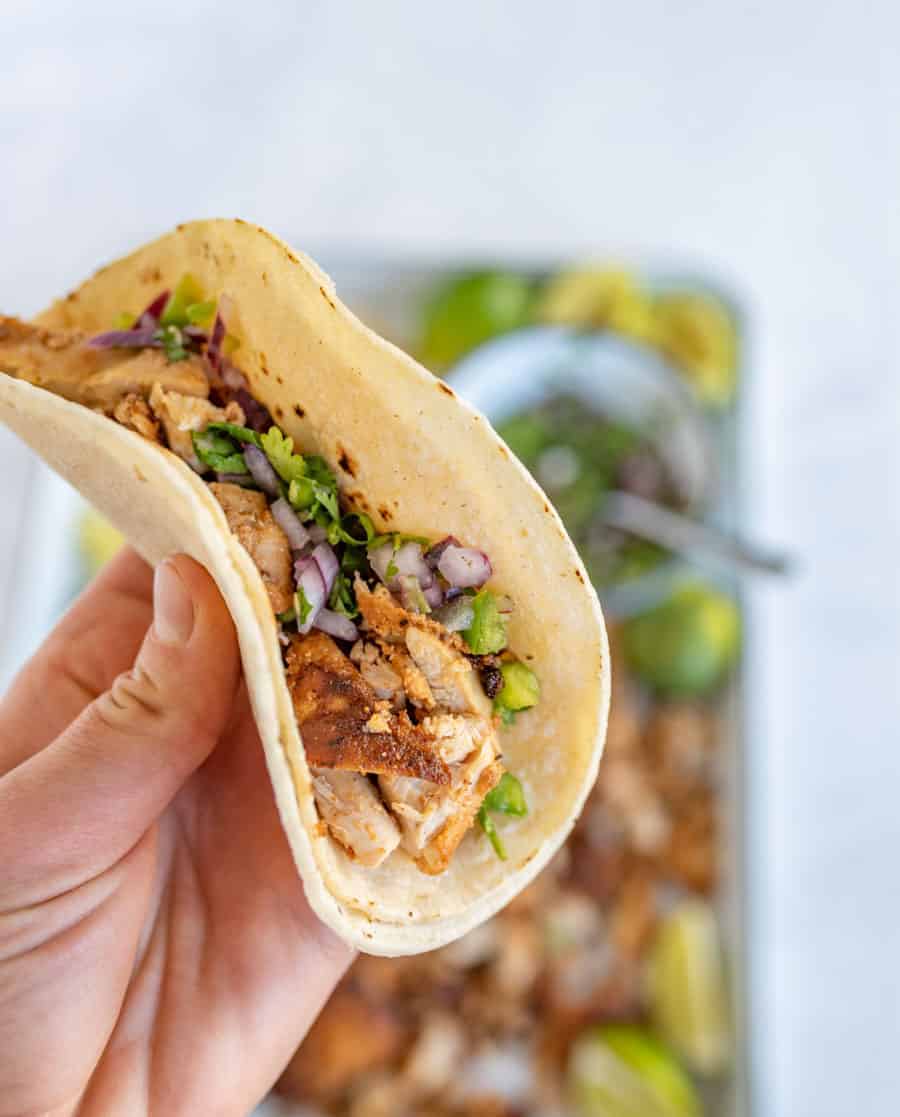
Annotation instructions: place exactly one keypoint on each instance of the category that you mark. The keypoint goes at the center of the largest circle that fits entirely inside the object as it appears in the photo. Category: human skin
(157, 954)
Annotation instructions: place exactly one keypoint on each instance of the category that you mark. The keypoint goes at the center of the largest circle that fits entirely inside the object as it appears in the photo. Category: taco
(425, 657)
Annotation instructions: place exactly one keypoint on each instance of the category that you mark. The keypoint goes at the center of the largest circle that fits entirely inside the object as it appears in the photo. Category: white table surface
(759, 141)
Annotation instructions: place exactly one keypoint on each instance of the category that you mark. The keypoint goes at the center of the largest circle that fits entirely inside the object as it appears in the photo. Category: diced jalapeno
(521, 689)
(487, 633)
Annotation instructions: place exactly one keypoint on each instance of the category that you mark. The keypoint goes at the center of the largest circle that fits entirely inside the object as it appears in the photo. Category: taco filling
(394, 646)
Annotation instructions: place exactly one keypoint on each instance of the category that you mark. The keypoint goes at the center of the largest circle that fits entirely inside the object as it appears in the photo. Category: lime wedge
(618, 1070)
(688, 995)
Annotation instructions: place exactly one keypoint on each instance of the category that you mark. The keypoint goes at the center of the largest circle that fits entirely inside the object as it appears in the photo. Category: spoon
(687, 536)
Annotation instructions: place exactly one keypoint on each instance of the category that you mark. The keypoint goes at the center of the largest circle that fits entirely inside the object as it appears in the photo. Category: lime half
(619, 1070)
(688, 994)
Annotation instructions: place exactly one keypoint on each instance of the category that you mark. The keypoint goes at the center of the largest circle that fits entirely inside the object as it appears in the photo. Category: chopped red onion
(411, 596)
(317, 533)
(138, 338)
(434, 595)
(263, 473)
(242, 479)
(408, 561)
(326, 560)
(233, 377)
(457, 615)
(464, 566)
(289, 522)
(195, 334)
(433, 556)
(309, 580)
(258, 417)
(151, 314)
(214, 345)
(336, 624)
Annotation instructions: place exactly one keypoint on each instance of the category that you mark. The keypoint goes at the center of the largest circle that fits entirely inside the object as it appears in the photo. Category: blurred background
(659, 245)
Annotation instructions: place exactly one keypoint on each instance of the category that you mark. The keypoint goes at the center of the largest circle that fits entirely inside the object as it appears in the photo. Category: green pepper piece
(487, 633)
(187, 292)
(487, 825)
(201, 314)
(521, 689)
(507, 797)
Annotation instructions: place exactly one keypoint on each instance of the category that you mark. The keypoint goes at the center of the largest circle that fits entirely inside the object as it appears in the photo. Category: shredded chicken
(353, 719)
(344, 725)
(61, 362)
(355, 815)
(386, 618)
(378, 673)
(134, 412)
(182, 414)
(251, 521)
(435, 819)
(451, 677)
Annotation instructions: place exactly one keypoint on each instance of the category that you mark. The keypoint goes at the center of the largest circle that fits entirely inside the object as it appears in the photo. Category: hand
(157, 954)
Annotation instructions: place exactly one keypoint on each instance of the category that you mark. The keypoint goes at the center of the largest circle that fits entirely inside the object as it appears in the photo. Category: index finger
(94, 642)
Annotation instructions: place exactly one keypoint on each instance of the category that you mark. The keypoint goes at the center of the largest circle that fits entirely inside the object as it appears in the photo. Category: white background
(759, 141)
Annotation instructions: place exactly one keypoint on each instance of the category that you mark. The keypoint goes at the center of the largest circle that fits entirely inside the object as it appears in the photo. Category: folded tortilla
(417, 459)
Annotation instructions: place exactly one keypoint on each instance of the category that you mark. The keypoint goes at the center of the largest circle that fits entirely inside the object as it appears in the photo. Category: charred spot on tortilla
(445, 388)
(327, 299)
(298, 411)
(384, 512)
(346, 462)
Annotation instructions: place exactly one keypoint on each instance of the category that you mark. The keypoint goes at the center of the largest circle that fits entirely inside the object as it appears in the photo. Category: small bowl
(620, 379)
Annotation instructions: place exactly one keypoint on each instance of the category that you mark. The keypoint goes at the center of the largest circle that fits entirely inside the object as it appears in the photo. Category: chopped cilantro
(242, 434)
(302, 605)
(391, 570)
(172, 341)
(279, 450)
(342, 598)
(396, 539)
(218, 452)
(339, 530)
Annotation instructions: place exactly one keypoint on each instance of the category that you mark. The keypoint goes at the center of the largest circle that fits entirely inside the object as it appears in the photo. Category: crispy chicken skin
(344, 725)
(181, 415)
(355, 815)
(61, 362)
(251, 521)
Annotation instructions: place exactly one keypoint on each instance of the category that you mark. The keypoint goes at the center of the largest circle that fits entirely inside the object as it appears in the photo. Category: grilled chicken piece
(413, 682)
(344, 725)
(453, 680)
(435, 819)
(437, 653)
(61, 362)
(251, 521)
(378, 673)
(134, 412)
(355, 816)
(181, 414)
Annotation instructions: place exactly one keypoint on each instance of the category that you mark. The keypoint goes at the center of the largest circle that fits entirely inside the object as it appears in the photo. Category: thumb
(78, 806)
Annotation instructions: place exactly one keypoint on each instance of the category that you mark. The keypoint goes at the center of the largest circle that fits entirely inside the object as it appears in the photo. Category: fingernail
(173, 609)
